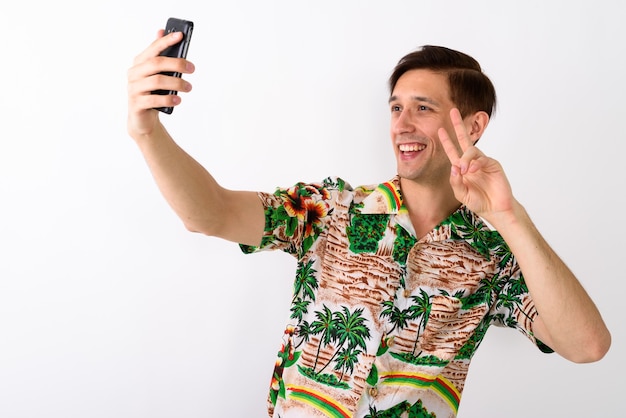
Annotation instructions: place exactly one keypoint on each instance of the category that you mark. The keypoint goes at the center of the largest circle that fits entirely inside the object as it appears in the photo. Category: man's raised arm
(200, 202)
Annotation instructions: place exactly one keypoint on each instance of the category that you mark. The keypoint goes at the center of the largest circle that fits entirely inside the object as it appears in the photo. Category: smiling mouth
(411, 147)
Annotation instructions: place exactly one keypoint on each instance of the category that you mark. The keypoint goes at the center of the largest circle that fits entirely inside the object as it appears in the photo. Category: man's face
(420, 104)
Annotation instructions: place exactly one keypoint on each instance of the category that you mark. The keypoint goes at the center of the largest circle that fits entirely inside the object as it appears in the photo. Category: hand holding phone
(178, 50)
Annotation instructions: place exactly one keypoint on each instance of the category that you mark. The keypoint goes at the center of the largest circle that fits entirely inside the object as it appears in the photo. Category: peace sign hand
(479, 182)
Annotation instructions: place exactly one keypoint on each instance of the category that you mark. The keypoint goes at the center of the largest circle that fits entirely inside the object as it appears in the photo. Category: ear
(476, 124)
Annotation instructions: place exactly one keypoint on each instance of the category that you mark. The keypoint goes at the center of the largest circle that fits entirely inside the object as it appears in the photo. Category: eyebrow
(417, 99)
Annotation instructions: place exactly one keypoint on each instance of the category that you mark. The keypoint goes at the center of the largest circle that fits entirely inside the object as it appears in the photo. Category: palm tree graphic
(346, 359)
(324, 325)
(398, 317)
(349, 327)
(305, 283)
(420, 309)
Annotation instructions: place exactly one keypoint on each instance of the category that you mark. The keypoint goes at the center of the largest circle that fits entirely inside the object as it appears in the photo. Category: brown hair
(470, 89)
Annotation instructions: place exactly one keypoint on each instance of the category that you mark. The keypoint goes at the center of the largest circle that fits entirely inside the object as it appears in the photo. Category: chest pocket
(449, 326)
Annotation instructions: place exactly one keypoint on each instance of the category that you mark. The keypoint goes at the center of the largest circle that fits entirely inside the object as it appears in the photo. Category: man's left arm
(568, 321)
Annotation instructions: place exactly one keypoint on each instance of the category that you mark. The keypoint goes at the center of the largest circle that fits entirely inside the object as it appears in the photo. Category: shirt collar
(386, 199)
(462, 225)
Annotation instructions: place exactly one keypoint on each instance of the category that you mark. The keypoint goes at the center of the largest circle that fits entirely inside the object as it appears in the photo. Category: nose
(401, 123)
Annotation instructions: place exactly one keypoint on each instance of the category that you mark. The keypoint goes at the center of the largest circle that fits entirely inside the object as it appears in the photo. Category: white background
(110, 308)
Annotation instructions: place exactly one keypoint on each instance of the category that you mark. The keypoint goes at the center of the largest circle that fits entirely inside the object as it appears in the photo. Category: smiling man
(396, 283)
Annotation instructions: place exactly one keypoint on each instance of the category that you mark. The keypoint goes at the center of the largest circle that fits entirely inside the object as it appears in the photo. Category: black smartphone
(178, 50)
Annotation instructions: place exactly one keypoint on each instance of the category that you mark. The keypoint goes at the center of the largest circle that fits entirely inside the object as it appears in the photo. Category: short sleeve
(294, 217)
(514, 307)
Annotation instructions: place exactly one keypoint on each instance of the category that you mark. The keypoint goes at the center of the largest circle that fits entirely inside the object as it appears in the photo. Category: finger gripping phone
(178, 50)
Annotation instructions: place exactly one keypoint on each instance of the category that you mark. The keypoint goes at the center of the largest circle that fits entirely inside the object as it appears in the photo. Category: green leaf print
(299, 308)
(403, 409)
(334, 183)
(291, 226)
(372, 378)
(383, 347)
(402, 245)
(305, 283)
(282, 392)
(420, 360)
(307, 243)
(477, 235)
(294, 360)
(365, 232)
(326, 379)
(277, 217)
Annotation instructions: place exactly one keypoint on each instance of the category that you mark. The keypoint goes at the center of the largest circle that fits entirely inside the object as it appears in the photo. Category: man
(396, 283)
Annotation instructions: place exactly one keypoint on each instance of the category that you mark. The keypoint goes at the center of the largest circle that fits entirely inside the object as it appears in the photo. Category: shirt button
(390, 342)
(407, 293)
(373, 392)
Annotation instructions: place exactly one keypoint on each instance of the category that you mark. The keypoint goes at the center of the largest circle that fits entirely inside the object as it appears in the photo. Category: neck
(428, 206)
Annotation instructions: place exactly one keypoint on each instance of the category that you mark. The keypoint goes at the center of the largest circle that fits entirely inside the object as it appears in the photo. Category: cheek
(439, 152)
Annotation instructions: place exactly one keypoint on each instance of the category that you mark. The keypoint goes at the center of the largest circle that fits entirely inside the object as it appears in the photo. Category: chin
(408, 172)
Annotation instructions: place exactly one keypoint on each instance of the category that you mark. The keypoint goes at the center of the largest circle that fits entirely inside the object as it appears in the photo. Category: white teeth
(411, 147)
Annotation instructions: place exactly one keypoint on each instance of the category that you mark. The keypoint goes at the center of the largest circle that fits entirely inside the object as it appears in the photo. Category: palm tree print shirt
(384, 324)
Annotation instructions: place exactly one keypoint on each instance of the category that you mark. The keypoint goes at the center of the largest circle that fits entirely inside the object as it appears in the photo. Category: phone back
(178, 50)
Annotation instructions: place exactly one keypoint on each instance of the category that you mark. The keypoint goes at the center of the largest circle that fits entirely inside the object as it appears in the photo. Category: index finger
(459, 129)
(159, 45)
(449, 146)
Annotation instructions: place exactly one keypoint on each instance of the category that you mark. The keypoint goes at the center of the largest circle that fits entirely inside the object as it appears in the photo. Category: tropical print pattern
(383, 323)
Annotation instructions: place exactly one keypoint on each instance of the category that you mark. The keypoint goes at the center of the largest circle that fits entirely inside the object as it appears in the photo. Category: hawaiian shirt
(384, 323)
